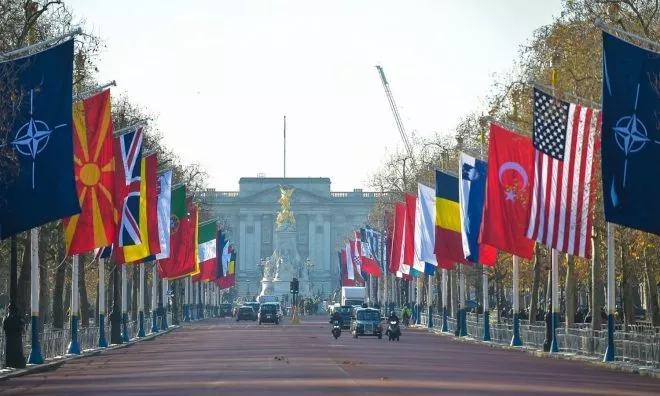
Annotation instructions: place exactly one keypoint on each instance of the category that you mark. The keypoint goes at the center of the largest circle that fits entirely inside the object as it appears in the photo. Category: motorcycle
(393, 330)
(336, 329)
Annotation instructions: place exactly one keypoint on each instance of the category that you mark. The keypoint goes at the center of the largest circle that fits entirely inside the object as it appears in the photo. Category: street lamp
(309, 265)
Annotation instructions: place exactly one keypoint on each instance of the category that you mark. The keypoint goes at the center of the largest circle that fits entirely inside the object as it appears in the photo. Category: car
(268, 314)
(253, 304)
(246, 313)
(366, 323)
(346, 314)
(225, 311)
(277, 306)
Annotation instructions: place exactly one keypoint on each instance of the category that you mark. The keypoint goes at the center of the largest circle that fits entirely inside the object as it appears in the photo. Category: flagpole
(154, 299)
(418, 300)
(74, 347)
(429, 299)
(29, 48)
(461, 301)
(516, 340)
(141, 302)
(35, 353)
(165, 284)
(124, 304)
(103, 343)
(600, 24)
(186, 299)
(128, 129)
(611, 307)
(554, 346)
(285, 147)
(94, 91)
(444, 328)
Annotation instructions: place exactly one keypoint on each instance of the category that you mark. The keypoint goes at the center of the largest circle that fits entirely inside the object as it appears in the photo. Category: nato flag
(41, 138)
(631, 135)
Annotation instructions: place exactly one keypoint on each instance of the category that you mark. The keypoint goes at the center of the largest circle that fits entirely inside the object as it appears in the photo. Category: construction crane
(395, 111)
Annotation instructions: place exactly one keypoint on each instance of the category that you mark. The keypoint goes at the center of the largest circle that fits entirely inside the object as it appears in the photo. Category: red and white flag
(565, 142)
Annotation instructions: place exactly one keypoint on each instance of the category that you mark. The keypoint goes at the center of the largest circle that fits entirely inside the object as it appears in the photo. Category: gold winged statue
(285, 217)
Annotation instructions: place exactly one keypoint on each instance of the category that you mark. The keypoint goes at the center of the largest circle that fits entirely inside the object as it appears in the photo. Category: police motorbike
(336, 329)
(393, 330)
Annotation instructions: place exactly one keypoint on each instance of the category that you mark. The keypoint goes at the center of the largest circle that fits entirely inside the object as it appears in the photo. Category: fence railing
(637, 347)
(55, 342)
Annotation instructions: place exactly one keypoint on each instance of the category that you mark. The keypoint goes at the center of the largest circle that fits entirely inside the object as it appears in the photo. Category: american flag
(565, 142)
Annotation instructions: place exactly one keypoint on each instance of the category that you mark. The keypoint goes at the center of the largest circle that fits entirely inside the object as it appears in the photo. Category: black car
(268, 314)
(366, 323)
(346, 314)
(246, 313)
(225, 310)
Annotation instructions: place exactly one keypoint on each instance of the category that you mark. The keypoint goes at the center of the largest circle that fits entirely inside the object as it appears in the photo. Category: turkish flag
(508, 192)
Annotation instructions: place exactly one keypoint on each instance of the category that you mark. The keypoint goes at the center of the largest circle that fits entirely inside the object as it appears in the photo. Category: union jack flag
(128, 181)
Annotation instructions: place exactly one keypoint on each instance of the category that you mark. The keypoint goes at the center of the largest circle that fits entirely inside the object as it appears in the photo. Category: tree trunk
(136, 290)
(82, 292)
(24, 277)
(652, 291)
(44, 294)
(626, 297)
(58, 304)
(534, 303)
(571, 293)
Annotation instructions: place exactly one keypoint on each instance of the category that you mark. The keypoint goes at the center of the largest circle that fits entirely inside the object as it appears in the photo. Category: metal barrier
(641, 347)
(55, 342)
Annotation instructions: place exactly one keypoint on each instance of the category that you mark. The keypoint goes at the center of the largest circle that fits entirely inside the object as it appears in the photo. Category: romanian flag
(150, 243)
(448, 238)
(96, 225)
(229, 280)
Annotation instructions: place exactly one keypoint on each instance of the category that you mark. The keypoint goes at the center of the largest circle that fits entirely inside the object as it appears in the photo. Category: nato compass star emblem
(631, 136)
(32, 138)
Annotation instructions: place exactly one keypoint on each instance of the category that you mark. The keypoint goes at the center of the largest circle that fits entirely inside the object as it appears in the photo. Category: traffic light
(294, 285)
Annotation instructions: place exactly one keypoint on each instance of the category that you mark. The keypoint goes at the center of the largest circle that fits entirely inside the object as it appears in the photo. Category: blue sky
(221, 74)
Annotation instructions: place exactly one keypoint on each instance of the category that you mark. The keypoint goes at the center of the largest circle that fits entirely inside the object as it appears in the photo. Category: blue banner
(41, 138)
(631, 135)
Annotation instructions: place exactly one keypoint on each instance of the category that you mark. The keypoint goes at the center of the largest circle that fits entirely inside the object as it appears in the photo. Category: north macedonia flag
(96, 225)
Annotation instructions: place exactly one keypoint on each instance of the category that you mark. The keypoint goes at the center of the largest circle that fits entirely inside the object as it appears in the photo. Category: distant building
(323, 220)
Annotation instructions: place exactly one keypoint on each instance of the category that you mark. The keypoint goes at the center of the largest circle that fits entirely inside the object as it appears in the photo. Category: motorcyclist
(393, 317)
(335, 316)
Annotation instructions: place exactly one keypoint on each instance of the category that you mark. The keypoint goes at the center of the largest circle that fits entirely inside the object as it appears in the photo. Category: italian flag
(207, 248)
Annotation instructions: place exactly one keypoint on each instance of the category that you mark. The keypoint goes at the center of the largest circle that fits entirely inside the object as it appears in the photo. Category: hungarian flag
(207, 251)
(148, 230)
(508, 192)
(183, 260)
(96, 225)
(448, 239)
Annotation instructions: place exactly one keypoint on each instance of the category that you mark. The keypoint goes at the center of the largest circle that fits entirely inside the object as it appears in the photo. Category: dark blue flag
(41, 137)
(631, 135)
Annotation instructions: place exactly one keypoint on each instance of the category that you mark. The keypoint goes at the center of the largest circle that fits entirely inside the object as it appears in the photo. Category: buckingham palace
(323, 220)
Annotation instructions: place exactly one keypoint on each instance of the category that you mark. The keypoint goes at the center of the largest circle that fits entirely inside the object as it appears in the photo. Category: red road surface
(220, 356)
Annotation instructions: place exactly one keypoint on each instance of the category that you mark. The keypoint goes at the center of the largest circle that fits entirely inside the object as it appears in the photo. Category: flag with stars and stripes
(565, 143)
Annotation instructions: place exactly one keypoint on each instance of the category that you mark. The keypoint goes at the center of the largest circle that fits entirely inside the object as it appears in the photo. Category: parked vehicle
(366, 323)
(268, 314)
(393, 330)
(246, 313)
(225, 310)
(336, 329)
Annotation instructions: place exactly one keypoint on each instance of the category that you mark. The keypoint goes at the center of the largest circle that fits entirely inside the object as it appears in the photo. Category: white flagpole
(141, 332)
(74, 347)
(103, 343)
(516, 340)
(35, 353)
(186, 299)
(462, 331)
(165, 303)
(610, 353)
(444, 300)
(124, 304)
(154, 299)
(554, 346)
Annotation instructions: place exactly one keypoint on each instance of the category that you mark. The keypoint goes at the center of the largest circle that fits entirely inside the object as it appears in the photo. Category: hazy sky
(220, 75)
